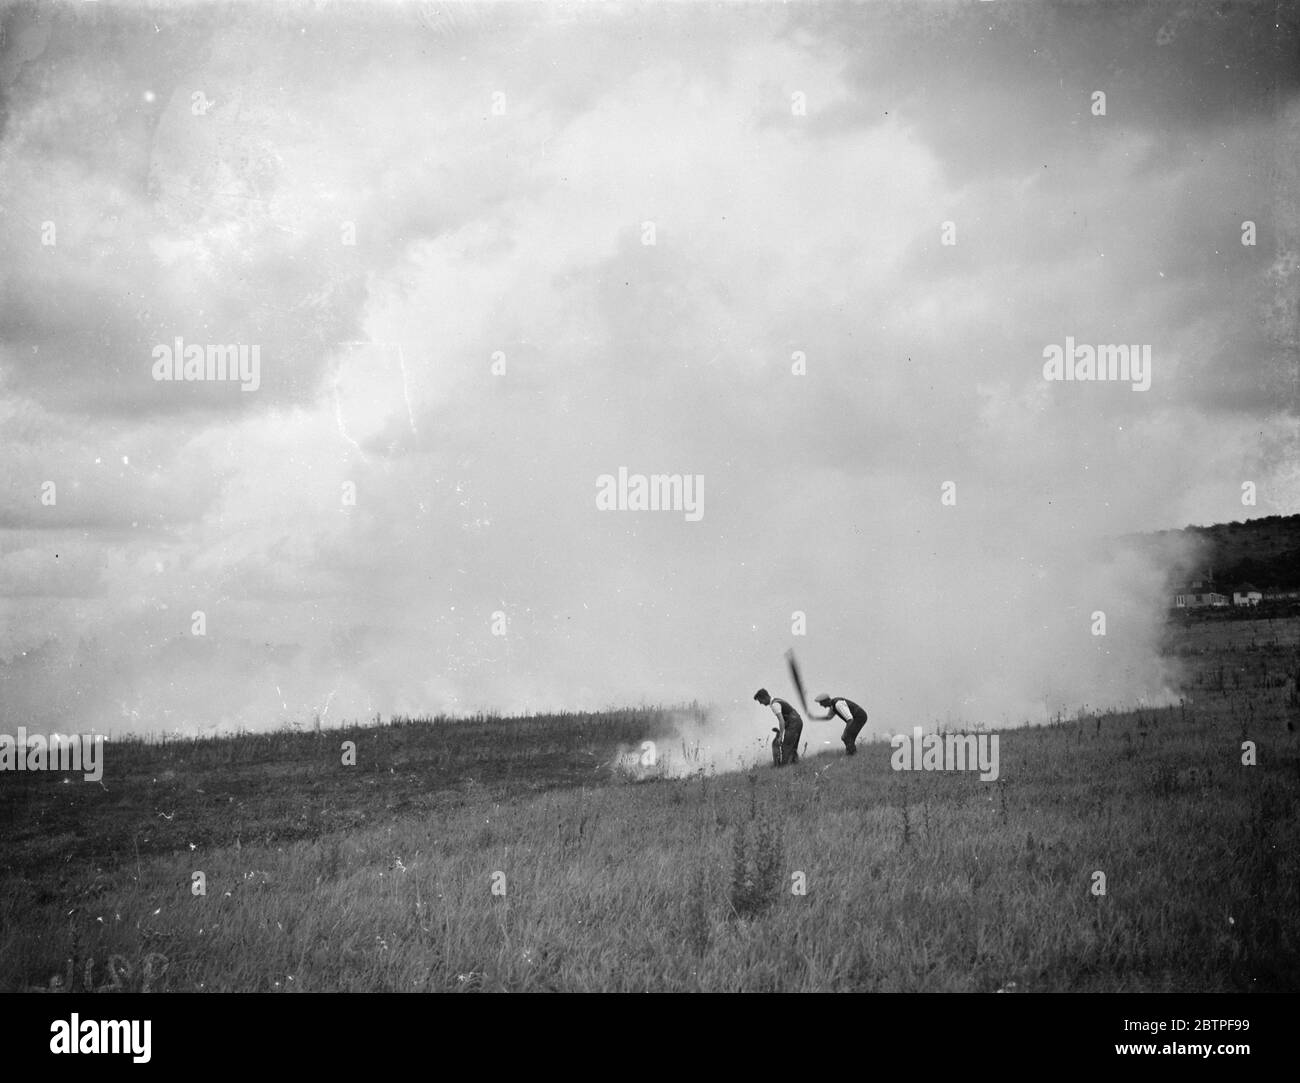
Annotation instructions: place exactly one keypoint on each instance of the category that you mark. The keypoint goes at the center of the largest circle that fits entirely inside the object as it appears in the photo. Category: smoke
(713, 740)
(644, 263)
(994, 621)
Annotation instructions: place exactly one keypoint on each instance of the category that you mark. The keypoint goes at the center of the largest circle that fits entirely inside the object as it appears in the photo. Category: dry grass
(380, 877)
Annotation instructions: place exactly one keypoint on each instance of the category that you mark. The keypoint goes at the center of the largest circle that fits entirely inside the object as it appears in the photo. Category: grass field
(505, 854)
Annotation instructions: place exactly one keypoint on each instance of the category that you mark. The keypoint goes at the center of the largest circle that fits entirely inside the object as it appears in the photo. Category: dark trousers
(850, 735)
(787, 751)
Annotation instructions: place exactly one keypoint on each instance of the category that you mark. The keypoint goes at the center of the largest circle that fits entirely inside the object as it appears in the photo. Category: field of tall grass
(506, 854)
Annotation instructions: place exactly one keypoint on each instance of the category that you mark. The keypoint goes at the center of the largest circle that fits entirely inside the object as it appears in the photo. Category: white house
(1200, 593)
(1247, 594)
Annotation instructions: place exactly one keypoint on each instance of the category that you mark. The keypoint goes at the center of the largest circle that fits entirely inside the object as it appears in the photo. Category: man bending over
(853, 717)
(785, 748)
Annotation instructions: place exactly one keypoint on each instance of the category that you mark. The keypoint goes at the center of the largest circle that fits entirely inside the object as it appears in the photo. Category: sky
(807, 256)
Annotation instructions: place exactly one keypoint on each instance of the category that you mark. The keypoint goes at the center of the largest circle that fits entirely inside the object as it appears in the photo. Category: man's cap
(761, 693)
(823, 697)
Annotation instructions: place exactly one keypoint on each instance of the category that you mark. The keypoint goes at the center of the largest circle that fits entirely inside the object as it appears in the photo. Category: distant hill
(1264, 552)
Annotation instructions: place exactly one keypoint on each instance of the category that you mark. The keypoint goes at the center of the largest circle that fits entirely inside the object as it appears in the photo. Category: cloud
(352, 530)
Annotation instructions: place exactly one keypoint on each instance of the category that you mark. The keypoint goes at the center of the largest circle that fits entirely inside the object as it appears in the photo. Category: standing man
(785, 747)
(853, 717)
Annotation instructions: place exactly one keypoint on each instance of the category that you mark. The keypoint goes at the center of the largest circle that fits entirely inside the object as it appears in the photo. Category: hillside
(1264, 552)
(499, 854)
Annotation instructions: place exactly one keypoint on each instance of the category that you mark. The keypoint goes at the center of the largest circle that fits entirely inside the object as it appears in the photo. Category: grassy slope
(379, 876)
